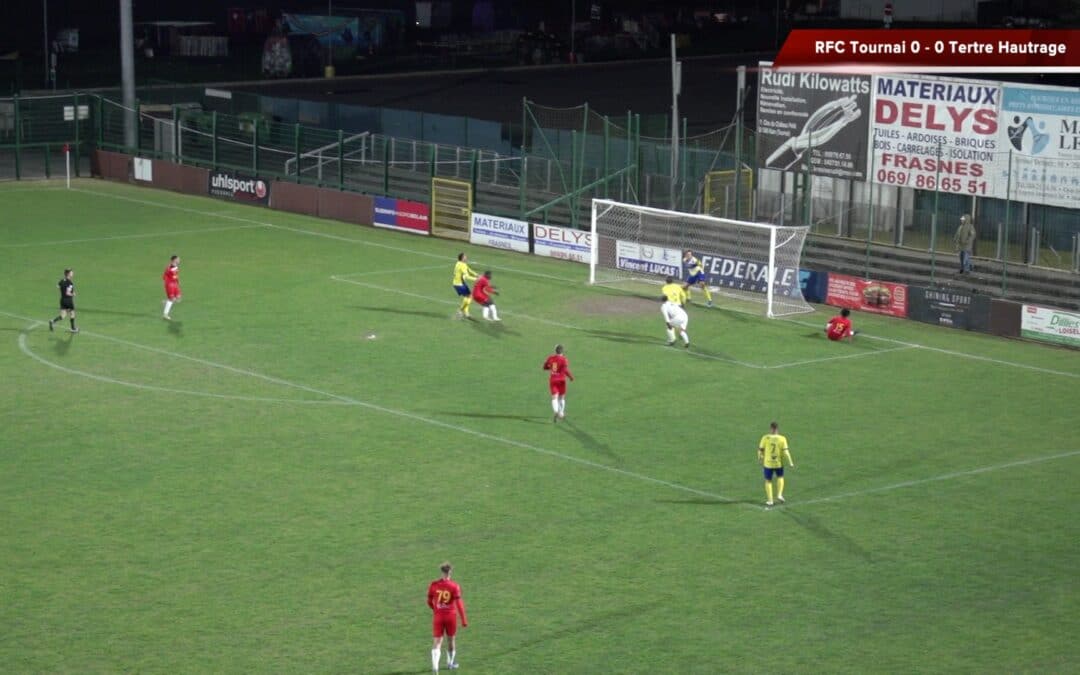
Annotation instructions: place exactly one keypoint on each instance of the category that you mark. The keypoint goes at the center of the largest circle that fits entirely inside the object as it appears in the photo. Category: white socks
(450, 656)
(494, 313)
(487, 313)
(562, 405)
(435, 659)
(168, 306)
(684, 336)
(555, 404)
(671, 335)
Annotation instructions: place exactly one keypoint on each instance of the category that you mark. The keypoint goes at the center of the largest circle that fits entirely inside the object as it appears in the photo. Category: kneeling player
(839, 327)
(675, 317)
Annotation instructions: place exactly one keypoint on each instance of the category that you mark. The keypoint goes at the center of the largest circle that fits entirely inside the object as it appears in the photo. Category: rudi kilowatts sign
(813, 121)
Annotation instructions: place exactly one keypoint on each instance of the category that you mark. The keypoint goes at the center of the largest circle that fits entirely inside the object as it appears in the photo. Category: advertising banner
(933, 133)
(144, 169)
(747, 275)
(342, 33)
(1050, 325)
(953, 308)
(562, 242)
(1040, 127)
(876, 297)
(499, 232)
(645, 259)
(816, 118)
(403, 215)
(239, 187)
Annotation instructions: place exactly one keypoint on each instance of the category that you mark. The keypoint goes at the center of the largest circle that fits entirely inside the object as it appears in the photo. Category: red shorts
(482, 300)
(557, 387)
(172, 291)
(444, 623)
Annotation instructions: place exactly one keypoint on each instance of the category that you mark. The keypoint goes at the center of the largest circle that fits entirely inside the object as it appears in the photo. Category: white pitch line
(451, 302)
(131, 236)
(341, 277)
(311, 233)
(935, 479)
(841, 357)
(25, 348)
(106, 195)
(951, 352)
(408, 415)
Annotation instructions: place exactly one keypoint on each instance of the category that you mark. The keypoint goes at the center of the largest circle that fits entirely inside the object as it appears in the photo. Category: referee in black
(67, 301)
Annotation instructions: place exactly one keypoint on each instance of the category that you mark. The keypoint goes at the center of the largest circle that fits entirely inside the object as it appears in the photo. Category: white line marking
(341, 277)
(314, 233)
(25, 348)
(131, 236)
(841, 357)
(451, 302)
(951, 352)
(947, 476)
(406, 415)
(691, 352)
(107, 195)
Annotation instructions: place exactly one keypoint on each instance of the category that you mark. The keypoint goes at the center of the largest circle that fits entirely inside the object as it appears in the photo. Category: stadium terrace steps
(888, 263)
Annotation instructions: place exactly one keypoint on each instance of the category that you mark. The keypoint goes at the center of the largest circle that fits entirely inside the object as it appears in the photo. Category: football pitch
(268, 482)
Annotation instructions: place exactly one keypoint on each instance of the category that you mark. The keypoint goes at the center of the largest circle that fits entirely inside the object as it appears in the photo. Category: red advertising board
(877, 297)
(399, 214)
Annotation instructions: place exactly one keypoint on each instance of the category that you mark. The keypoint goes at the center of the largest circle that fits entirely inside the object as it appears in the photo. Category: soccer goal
(753, 262)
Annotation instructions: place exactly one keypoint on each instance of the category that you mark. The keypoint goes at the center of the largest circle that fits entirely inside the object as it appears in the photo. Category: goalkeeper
(695, 275)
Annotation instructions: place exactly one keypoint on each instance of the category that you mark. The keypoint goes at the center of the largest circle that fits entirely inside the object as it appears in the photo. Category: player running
(462, 275)
(839, 327)
(560, 370)
(674, 291)
(67, 301)
(444, 599)
(695, 275)
(675, 317)
(171, 277)
(482, 292)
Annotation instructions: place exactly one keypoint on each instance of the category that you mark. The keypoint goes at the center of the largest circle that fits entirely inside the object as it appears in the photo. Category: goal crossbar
(751, 261)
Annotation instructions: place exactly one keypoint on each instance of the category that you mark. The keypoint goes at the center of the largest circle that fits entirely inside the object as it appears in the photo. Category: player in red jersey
(481, 294)
(444, 598)
(560, 370)
(171, 277)
(839, 327)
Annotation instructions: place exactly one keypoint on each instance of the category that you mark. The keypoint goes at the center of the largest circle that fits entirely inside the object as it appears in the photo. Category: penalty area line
(407, 415)
(935, 479)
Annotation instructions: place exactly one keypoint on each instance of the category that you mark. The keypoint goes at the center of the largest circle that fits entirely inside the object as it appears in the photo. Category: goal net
(753, 262)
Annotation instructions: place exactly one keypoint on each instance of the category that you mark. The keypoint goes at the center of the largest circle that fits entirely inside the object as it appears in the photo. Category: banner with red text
(934, 133)
(877, 297)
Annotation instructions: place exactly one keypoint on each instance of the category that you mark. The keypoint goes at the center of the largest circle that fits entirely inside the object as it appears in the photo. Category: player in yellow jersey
(695, 275)
(674, 292)
(462, 275)
(772, 450)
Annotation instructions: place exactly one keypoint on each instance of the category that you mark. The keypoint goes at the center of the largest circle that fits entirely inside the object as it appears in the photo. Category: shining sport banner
(1040, 127)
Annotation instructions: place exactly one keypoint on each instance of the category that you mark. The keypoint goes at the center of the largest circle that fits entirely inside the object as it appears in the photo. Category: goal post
(753, 262)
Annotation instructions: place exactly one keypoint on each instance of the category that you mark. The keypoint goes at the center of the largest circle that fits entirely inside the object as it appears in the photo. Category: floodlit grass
(259, 486)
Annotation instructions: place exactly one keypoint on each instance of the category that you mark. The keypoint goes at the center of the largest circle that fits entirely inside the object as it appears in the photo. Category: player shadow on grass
(532, 419)
(496, 329)
(176, 328)
(394, 310)
(62, 344)
(589, 442)
(707, 501)
(840, 542)
(625, 338)
(90, 310)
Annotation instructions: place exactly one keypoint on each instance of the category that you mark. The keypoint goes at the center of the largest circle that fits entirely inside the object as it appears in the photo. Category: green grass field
(258, 486)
